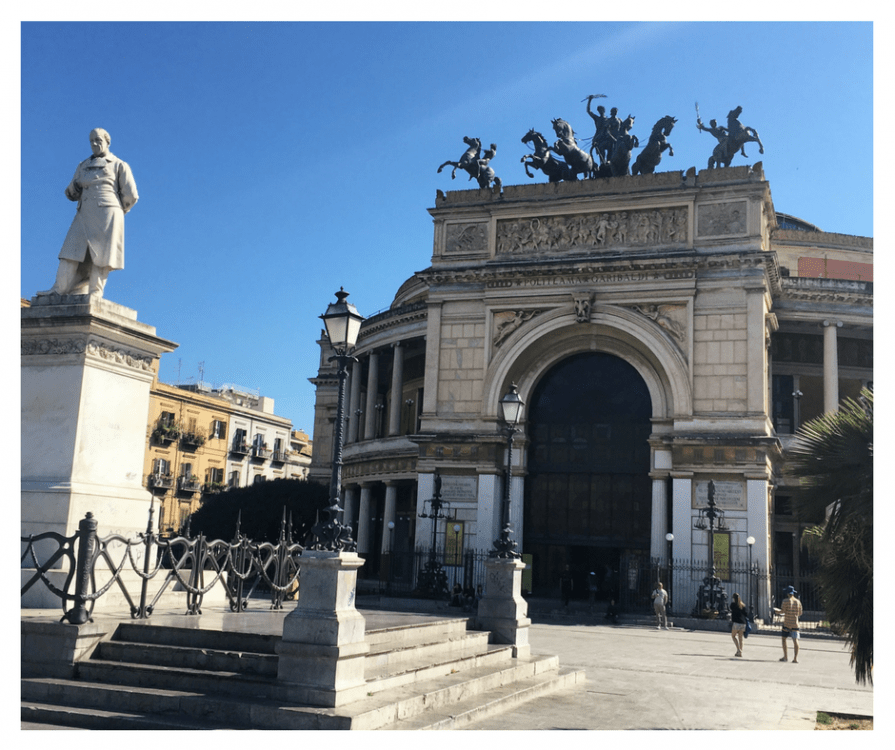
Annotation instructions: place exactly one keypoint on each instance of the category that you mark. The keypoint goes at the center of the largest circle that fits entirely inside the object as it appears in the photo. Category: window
(166, 419)
(234, 479)
(161, 466)
(186, 471)
(258, 441)
(218, 429)
(258, 478)
(215, 476)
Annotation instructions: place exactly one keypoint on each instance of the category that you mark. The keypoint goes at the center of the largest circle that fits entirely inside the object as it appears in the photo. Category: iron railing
(419, 573)
(92, 565)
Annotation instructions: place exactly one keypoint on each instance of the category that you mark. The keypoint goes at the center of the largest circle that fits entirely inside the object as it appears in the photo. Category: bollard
(78, 614)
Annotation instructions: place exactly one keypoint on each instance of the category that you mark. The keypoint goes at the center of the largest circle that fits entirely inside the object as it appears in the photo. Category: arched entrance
(588, 491)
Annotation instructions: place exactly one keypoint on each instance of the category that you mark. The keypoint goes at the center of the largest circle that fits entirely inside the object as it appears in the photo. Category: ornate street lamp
(511, 410)
(707, 598)
(433, 578)
(342, 322)
(750, 540)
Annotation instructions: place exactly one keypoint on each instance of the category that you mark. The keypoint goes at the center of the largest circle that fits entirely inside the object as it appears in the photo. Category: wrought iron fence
(91, 565)
(420, 573)
(692, 593)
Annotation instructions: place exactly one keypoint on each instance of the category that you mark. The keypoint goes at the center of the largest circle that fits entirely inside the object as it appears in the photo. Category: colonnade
(362, 411)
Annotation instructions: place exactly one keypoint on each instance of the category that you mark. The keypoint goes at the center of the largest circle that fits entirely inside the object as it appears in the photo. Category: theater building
(663, 330)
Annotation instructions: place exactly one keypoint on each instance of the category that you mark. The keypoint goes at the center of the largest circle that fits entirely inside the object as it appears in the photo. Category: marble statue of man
(105, 191)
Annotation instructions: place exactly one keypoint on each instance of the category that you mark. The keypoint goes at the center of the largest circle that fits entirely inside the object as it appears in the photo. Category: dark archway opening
(588, 491)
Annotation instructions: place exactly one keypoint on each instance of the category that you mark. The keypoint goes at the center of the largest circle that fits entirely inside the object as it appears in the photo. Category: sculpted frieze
(465, 239)
(718, 219)
(659, 226)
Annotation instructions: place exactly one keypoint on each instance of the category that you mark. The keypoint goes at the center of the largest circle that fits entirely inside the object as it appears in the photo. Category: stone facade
(679, 275)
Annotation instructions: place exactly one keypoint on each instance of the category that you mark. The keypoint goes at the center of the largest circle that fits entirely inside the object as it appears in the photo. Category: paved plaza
(639, 677)
(642, 678)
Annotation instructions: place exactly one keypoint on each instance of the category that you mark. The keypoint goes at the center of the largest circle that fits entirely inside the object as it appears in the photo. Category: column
(349, 515)
(682, 587)
(757, 512)
(394, 411)
(658, 545)
(831, 366)
(363, 520)
(354, 402)
(372, 388)
(391, 496)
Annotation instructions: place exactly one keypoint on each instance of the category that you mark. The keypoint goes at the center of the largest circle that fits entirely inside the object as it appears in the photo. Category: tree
(833, 459)
(260, 510)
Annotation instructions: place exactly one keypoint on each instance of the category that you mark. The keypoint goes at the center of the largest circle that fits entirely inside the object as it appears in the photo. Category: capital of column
(836, 323)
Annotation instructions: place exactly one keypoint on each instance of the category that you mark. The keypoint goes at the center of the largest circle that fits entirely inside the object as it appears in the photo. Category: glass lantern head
(342, 321)
(511, 406)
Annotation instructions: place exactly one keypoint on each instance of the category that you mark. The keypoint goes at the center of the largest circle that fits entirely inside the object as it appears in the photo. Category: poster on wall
(728, 495)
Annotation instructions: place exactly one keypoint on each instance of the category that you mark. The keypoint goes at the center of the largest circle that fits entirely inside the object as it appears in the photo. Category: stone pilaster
(372, 389)
(394, 412)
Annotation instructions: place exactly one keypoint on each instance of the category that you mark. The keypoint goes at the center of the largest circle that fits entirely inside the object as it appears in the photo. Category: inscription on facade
(459, 489)
(660, 226)
(728, 495)
(722, 218)
(619, 277)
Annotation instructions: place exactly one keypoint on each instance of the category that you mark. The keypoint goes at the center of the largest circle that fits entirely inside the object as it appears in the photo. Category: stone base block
(52, 649)
(502, 610)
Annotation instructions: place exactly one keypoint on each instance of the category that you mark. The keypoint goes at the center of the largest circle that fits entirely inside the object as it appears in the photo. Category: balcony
(165, 433)
(261, 452)
(279, 457)
(213, 488)
(240, 447)
(160, 481)
(192, 440)
(187, 484)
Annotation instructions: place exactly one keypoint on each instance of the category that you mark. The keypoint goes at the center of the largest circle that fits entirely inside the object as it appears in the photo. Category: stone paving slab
(643, 678)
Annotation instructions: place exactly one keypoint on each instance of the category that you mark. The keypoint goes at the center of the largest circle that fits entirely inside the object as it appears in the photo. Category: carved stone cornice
(827, 291)
(90, 347)
(416, 311)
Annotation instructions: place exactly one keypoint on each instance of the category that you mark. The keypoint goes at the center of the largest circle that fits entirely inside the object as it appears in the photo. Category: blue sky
(277, 162)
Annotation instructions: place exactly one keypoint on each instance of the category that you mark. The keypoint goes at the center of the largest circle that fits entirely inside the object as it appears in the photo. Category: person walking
(738, 620)
(566, 584)
(791, 609)
(660, 597)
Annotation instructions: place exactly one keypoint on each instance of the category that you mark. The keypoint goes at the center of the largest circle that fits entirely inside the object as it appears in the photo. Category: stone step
(498, 700)
(402, 636)
(222, 640)
(243, 662)
(387, 659)
(136, 705)
(69, 717)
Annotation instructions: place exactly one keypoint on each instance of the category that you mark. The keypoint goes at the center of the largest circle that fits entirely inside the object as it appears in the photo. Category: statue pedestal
(502, 610)
(322, 653)
(87, 367)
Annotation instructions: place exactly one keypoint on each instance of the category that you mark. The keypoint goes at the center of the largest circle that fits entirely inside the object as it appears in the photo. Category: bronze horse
(648, 159)
(567, 147)
(476, 166)
(544, 160)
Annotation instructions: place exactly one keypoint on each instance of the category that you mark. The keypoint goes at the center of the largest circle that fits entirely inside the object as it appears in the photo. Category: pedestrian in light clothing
(791, 609)
(660, 597)
(738, 619)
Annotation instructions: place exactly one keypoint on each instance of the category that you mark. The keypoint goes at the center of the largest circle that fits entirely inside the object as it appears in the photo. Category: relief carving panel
(660, 226)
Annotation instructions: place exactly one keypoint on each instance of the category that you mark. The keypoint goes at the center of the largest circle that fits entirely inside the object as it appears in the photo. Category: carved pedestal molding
(323, 650)
(502, 610)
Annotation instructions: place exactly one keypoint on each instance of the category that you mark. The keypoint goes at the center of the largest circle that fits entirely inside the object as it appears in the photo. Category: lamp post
(456, 544)
(669, 538)
(511, 410)
(434, 579)
(342, 322)
(750, 540)
(708, 599)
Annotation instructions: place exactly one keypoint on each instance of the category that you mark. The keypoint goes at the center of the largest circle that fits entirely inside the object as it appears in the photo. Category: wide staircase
(432, 673)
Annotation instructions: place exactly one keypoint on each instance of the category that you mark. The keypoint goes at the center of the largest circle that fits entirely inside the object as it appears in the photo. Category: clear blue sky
(277, 162)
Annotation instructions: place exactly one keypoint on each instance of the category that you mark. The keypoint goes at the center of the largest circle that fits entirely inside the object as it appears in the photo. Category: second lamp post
(511, 410)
